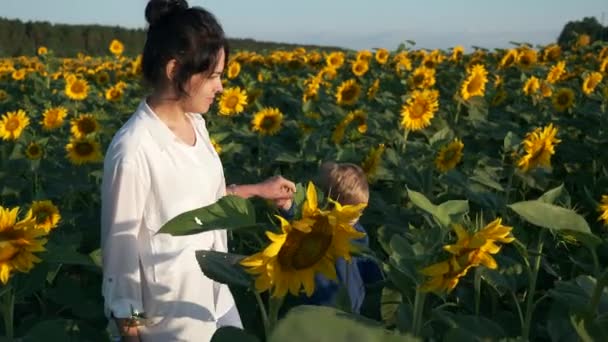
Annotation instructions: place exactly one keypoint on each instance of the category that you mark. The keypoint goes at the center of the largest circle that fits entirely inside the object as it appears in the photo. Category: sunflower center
(268, 122)
(537, 152)
(303, 250)
(77, 87)
(86, 126)
(12, 124)
(418, 79)
(83, 149)
(417, 109)
(449, 155)
(231, 102)
(475, 85)
(563, 99)
(33, 150)
(349, 93)
(7, 251)
(429, 64)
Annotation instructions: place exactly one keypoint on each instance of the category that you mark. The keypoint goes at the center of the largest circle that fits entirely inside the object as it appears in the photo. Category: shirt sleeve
(123, 199)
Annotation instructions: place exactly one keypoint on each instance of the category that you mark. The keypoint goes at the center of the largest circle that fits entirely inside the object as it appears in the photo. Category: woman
(161, 163)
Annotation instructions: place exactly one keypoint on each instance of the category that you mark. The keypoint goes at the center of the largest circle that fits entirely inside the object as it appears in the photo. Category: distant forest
(23, 38)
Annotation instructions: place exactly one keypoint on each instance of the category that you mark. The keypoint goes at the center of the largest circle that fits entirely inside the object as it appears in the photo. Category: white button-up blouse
(150, 176)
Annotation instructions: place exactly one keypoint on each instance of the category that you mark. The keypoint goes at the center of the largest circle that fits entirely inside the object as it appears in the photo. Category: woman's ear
(171, 69)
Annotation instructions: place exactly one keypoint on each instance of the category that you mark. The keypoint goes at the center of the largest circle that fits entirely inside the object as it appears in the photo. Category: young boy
(346, 184)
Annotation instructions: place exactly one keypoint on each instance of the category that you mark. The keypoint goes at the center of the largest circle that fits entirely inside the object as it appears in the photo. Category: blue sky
(356, 24)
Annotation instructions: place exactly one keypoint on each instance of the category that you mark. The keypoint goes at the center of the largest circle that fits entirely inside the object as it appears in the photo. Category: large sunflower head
(12, 124)
(34, 151)
(83, 150)
(19, 74)
(53, 117)
(77, 89)
(348, 93)
(539, 146)
(457, 53)
(267, 121)
(19, 240)
(84, 125)
(114, 93)
(475, 84)
(563, 99)
(449, 156)
(591, 81)
(45, 214)
(419, 109)
(552, 53)
(233, 101)
(364, 55)
(305, 247)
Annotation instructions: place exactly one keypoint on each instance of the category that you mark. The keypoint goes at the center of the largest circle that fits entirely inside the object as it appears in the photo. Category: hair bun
(157, 9)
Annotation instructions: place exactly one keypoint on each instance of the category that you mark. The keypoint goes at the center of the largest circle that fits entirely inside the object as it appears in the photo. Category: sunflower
(233, 101)
(83, 150)
(508, 59)
(116, 47)
(305, 247)
(419, 109)
(591, 81)
(267, 121)
(77, 89)
(45, 214)
(532, 86)
(53, 117)
(19, 74)
(12, 124)
(402, 63)
(371, 163)
(359, 117)
(583, 40)
(19, 240)
(539, 146)
(42, 50)
(527, 58)
(84, 125)
(34, 151)
(102, 78)
(604, 65)
(603, 209)
(348, 93)
(556, 72)
(382, 56)
(422, 78)
(328, 73)
(364, 55)
(335, 59)
(563, 99)
(360, 67)
(552, 53)
(545, 89)
(475, 84)
(457, 53)
(449, 156)
(471, 250)
(499, 97)
(373, 89)
(234, 69)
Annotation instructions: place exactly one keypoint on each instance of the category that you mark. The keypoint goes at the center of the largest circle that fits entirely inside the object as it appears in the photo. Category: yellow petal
(436, 269)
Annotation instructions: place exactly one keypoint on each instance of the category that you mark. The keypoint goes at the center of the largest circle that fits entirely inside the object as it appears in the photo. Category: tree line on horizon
(23, 38)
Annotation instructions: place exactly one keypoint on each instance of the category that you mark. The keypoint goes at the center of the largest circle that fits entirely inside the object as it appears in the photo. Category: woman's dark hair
(190, 35)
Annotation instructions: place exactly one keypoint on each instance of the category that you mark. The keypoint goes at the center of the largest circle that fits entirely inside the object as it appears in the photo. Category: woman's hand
(276, 189)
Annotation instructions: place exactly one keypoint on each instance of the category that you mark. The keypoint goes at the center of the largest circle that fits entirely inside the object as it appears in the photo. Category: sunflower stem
(405, 135)
(263, 312)
(418, 310)
(8, 305)
(274, 305)
(477, 284)
(532, 288)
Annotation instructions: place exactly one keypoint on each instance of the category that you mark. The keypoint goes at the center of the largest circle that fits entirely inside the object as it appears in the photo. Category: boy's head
(345, 183)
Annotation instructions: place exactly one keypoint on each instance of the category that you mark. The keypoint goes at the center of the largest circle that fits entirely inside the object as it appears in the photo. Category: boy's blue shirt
(353, 275)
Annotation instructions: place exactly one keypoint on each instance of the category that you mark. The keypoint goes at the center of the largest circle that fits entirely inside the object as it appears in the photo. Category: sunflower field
(488, 172)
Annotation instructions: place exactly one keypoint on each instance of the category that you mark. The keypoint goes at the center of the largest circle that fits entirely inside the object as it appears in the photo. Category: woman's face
(202, 88)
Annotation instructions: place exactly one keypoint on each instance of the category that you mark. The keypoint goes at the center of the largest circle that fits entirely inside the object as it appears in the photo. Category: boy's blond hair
(345, 183)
